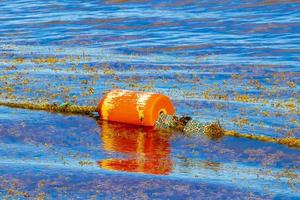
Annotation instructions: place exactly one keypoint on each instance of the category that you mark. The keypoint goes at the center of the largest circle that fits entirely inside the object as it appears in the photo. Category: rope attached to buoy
(184, 124)
(288, 141)
(61, 108)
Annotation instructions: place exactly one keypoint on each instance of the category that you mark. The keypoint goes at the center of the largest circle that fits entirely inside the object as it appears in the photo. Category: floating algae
(185, 124)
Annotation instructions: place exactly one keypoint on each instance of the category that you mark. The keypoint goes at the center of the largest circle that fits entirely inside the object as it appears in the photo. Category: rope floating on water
(185, 124)
(288, 141)
(62, 108)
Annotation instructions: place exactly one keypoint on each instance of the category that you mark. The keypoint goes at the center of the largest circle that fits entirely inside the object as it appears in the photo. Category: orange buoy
(139, 108)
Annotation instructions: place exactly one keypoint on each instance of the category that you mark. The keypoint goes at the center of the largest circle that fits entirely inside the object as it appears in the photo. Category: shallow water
(235, 61)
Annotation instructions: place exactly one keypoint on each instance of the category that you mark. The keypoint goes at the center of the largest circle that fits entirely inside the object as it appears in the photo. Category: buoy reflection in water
(147, 150)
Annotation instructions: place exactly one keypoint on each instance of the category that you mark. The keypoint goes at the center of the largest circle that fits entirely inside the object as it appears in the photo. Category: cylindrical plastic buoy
(139, 108)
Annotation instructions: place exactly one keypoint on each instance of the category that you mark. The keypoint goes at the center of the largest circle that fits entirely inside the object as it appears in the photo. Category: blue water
(235, 61)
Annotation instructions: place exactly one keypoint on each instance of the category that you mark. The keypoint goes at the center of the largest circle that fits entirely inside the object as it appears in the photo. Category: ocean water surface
(233, 61)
